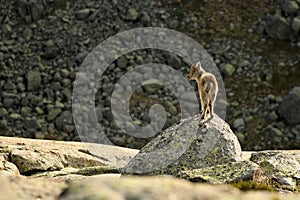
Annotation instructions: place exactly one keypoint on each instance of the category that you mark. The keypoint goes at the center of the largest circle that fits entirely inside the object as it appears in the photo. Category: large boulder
(290, 108)
(278, 166)
(190, 144)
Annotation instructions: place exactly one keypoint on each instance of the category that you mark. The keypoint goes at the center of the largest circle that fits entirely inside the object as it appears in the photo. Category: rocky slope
(44, 42)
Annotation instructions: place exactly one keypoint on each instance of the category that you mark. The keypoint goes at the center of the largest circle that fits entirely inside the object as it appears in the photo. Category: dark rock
(64, 121)
(289, 108)
(278, 27)
(122, 62)
(296, 25)
(174, 61)
(188, 145)
(53, 113)
(50, 50)
(32, 124)
(1, 56)
(33, 79)
(37, 10)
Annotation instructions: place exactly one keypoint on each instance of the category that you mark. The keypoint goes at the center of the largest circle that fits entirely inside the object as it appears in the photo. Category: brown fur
(207, 87)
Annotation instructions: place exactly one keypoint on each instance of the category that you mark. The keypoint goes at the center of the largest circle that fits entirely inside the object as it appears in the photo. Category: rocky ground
(44, 169)
(44, 42)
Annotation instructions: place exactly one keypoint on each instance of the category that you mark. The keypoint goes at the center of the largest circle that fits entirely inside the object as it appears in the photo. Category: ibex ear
(198, 66)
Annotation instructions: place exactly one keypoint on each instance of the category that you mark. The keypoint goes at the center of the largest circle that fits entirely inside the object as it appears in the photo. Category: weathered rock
(227, 173)
(289, 108)
(278, 27)
(32, 155)
(144, 188)
(18, 187)
(7, 168)
(86, 171)
(160, 188)
(187, 145)
(283, 168)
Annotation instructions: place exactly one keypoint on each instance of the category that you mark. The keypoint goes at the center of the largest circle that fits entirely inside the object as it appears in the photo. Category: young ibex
(207, 87)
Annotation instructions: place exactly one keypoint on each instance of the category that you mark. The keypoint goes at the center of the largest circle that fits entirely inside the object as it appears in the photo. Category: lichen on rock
(188, 145)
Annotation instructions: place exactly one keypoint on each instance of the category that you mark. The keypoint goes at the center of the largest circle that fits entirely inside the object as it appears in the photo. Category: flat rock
(19, 187)
(226, 173)
(32, 155)
(160, 188)
(188, 145)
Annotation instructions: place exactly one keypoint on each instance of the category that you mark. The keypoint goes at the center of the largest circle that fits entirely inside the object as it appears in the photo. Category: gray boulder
(188, 145)
(289, 108)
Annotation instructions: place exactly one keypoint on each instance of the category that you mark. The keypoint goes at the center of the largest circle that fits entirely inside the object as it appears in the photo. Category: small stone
(9, 85)
(26, 111)
(39, 135)
(83, 14)
(65, 118)
(1, 56)
(290, 7)
(238, 123)
(16, 116)
(145, 18)
(174, 24)
(289, 107)
(39, 110)
(122, 62)
(174, 61)
(6, 28)
(227, 69)
(296, 25)
(27, 33)
(132, 14)
(53, 113)
(278, 27)
(275, 132)
(273, 116)
(8, 102)
(37, 11)
(65, 73)
(32, 124)
(34, 80)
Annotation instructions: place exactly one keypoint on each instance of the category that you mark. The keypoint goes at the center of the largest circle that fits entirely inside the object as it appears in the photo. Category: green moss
(251, 185)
